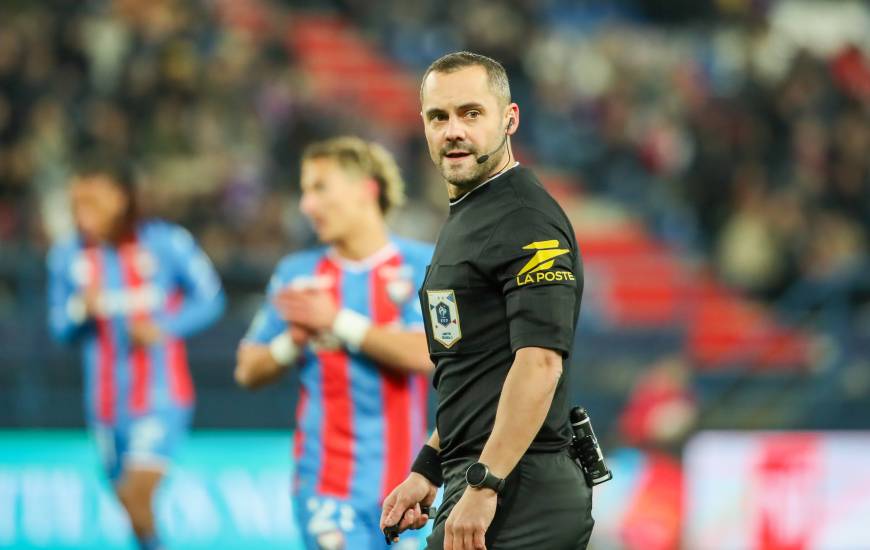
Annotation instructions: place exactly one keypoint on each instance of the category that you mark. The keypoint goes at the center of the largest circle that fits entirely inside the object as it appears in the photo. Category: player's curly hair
(367, 158)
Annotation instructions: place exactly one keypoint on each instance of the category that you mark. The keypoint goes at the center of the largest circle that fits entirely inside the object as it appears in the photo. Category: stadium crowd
(733, 143)
(211, 117)
(741, 141)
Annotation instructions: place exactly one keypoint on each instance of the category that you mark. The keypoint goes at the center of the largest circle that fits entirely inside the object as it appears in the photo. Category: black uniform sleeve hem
(544, 341)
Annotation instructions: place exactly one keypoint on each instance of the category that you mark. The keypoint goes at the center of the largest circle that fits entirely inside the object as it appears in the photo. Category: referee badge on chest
(444, 314)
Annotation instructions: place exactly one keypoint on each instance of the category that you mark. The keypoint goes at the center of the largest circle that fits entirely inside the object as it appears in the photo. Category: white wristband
(283, 350)
(351, 327)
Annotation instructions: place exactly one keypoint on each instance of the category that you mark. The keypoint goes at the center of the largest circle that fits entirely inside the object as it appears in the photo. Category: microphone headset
(483, 158)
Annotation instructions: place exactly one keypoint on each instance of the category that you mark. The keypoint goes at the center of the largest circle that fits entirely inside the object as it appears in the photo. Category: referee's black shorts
(545, 505)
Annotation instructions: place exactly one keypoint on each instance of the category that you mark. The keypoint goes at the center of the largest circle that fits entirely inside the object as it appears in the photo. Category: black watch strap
(478, 476)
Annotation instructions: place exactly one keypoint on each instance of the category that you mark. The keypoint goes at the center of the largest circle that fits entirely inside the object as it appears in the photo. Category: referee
(500, 303)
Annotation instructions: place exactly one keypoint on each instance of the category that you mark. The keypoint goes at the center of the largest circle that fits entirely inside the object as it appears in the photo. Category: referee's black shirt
(505, 274)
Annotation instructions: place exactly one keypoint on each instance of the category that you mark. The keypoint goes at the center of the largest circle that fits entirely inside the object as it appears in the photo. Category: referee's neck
(456, 200)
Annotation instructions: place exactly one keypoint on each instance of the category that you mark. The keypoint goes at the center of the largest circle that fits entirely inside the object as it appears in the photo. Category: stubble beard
(467, 179)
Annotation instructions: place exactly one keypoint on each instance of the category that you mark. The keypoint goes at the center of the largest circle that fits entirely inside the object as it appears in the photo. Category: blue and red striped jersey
(157, 274)
(359, 426)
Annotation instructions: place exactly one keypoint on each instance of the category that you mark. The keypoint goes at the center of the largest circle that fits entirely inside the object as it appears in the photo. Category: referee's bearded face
(464, 119)
(334, 200)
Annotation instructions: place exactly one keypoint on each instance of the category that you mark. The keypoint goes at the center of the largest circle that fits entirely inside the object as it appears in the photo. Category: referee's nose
(454, 131)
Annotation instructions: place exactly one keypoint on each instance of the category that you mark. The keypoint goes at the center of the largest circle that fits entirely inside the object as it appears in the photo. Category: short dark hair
(498, 80)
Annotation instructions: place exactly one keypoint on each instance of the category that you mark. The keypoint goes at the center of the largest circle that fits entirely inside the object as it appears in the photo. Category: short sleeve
(66, 311)
(267, 324)
(204, 299)
(195, 270)
(533, 258)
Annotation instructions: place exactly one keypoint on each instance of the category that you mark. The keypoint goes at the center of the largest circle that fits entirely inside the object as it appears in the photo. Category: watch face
(475, 474)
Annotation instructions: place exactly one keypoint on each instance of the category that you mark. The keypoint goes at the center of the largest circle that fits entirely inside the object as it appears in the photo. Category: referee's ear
(513, 120)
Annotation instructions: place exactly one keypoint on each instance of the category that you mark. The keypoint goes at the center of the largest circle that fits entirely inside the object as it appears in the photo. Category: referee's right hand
(402, 505)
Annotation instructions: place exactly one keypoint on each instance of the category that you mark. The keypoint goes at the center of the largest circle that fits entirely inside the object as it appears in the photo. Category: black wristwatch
(477, 475)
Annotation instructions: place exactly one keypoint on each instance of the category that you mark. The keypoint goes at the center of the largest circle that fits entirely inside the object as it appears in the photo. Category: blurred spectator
(661, 413)
(750, 253)
(661, 410)
(705, 135)
(185, 90)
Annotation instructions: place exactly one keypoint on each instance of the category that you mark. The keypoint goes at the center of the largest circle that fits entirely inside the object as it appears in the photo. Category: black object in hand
(392, 531)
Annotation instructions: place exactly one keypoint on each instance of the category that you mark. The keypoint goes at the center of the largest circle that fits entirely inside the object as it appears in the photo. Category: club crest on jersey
(142, 260)
(398, 283)
(539, 267)
(444, 313)
(145, 263)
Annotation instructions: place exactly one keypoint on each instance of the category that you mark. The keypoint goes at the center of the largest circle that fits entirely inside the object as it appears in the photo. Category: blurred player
(130, 291)
(347, 315)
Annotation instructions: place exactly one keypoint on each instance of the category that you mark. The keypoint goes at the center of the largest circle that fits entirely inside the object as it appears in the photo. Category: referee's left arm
(524, 403)
(536, 264)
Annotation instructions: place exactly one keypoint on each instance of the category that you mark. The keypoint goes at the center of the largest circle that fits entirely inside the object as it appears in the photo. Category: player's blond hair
(367, 159)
